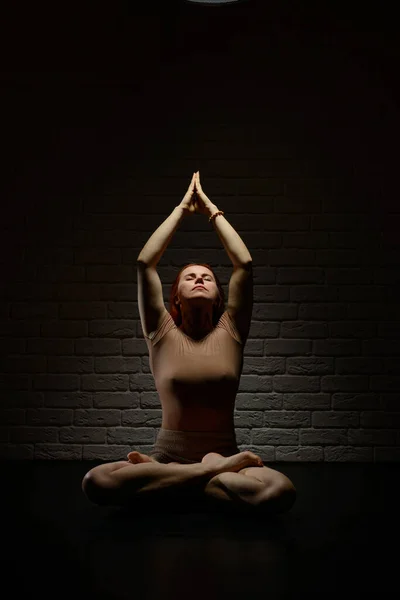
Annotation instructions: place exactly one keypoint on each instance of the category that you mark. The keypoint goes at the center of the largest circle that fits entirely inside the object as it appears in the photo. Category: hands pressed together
(195, 200)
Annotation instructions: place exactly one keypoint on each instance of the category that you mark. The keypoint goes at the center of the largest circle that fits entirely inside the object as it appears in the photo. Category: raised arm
(155, 246)
(150, 296)
(159, 240)
(240, 296)
(233, 243)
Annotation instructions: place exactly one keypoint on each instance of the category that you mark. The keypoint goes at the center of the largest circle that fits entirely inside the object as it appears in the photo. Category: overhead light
(213, 1)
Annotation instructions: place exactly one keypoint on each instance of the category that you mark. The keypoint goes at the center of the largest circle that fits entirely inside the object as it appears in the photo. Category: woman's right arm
(158, 242)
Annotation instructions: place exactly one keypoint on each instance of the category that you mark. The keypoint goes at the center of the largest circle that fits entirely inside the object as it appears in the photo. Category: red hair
(175, 311)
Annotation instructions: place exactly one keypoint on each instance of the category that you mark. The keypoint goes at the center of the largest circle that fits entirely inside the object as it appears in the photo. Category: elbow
(141, 263)
(247, 265)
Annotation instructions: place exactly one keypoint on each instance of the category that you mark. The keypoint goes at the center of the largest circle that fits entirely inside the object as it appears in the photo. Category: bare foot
(136, 457)
(232, 464)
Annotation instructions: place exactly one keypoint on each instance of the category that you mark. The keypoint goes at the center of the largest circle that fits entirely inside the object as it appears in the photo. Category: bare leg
(122, 482)
(118, 484)
(231, 487)
(269, 495)
(245, 492)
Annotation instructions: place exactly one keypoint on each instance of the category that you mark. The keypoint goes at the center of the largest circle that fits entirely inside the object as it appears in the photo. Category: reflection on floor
(338, 540)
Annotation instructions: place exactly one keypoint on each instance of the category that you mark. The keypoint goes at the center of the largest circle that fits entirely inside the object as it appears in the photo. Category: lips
(199, 287)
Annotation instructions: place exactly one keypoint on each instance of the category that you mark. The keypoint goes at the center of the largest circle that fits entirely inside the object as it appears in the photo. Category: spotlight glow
(213, 1)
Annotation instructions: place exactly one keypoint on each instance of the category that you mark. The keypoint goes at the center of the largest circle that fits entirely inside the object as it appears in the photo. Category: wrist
(182, 210)
(211, 209)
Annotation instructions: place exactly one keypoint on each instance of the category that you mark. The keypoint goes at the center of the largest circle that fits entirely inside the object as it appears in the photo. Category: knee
(96, 488)
(284, 497)
(287, 498)
(279, 498)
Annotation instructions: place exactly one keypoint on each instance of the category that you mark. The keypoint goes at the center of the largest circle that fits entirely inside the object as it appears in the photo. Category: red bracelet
(219, 212)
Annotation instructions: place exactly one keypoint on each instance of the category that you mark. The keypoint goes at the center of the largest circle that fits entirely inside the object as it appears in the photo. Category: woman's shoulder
(166, 323)
(227, 322)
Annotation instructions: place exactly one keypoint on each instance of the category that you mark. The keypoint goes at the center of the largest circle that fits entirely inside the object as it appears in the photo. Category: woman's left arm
(233, 243)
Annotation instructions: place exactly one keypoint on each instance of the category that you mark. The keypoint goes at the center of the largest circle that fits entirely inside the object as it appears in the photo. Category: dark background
(291, 115)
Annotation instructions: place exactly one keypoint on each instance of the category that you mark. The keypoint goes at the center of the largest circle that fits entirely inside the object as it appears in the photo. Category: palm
(199, 196)
(195, 200)
(198, 205)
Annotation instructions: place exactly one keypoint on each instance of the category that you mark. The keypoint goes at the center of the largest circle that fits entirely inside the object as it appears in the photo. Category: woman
(196, 358)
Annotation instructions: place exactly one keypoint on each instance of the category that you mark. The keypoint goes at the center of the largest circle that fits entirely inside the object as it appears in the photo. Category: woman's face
(194, 276)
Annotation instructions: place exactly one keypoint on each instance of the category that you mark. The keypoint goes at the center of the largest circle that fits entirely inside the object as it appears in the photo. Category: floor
(340, 539)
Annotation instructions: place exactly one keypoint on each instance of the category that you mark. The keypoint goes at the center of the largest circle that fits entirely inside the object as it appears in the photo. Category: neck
(197, 324)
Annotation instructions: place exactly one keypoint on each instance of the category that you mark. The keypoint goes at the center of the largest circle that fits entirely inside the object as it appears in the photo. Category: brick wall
(292, 137)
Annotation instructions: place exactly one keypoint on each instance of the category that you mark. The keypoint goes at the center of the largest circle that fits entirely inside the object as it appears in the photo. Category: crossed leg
(260, 488)
(252, 488)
